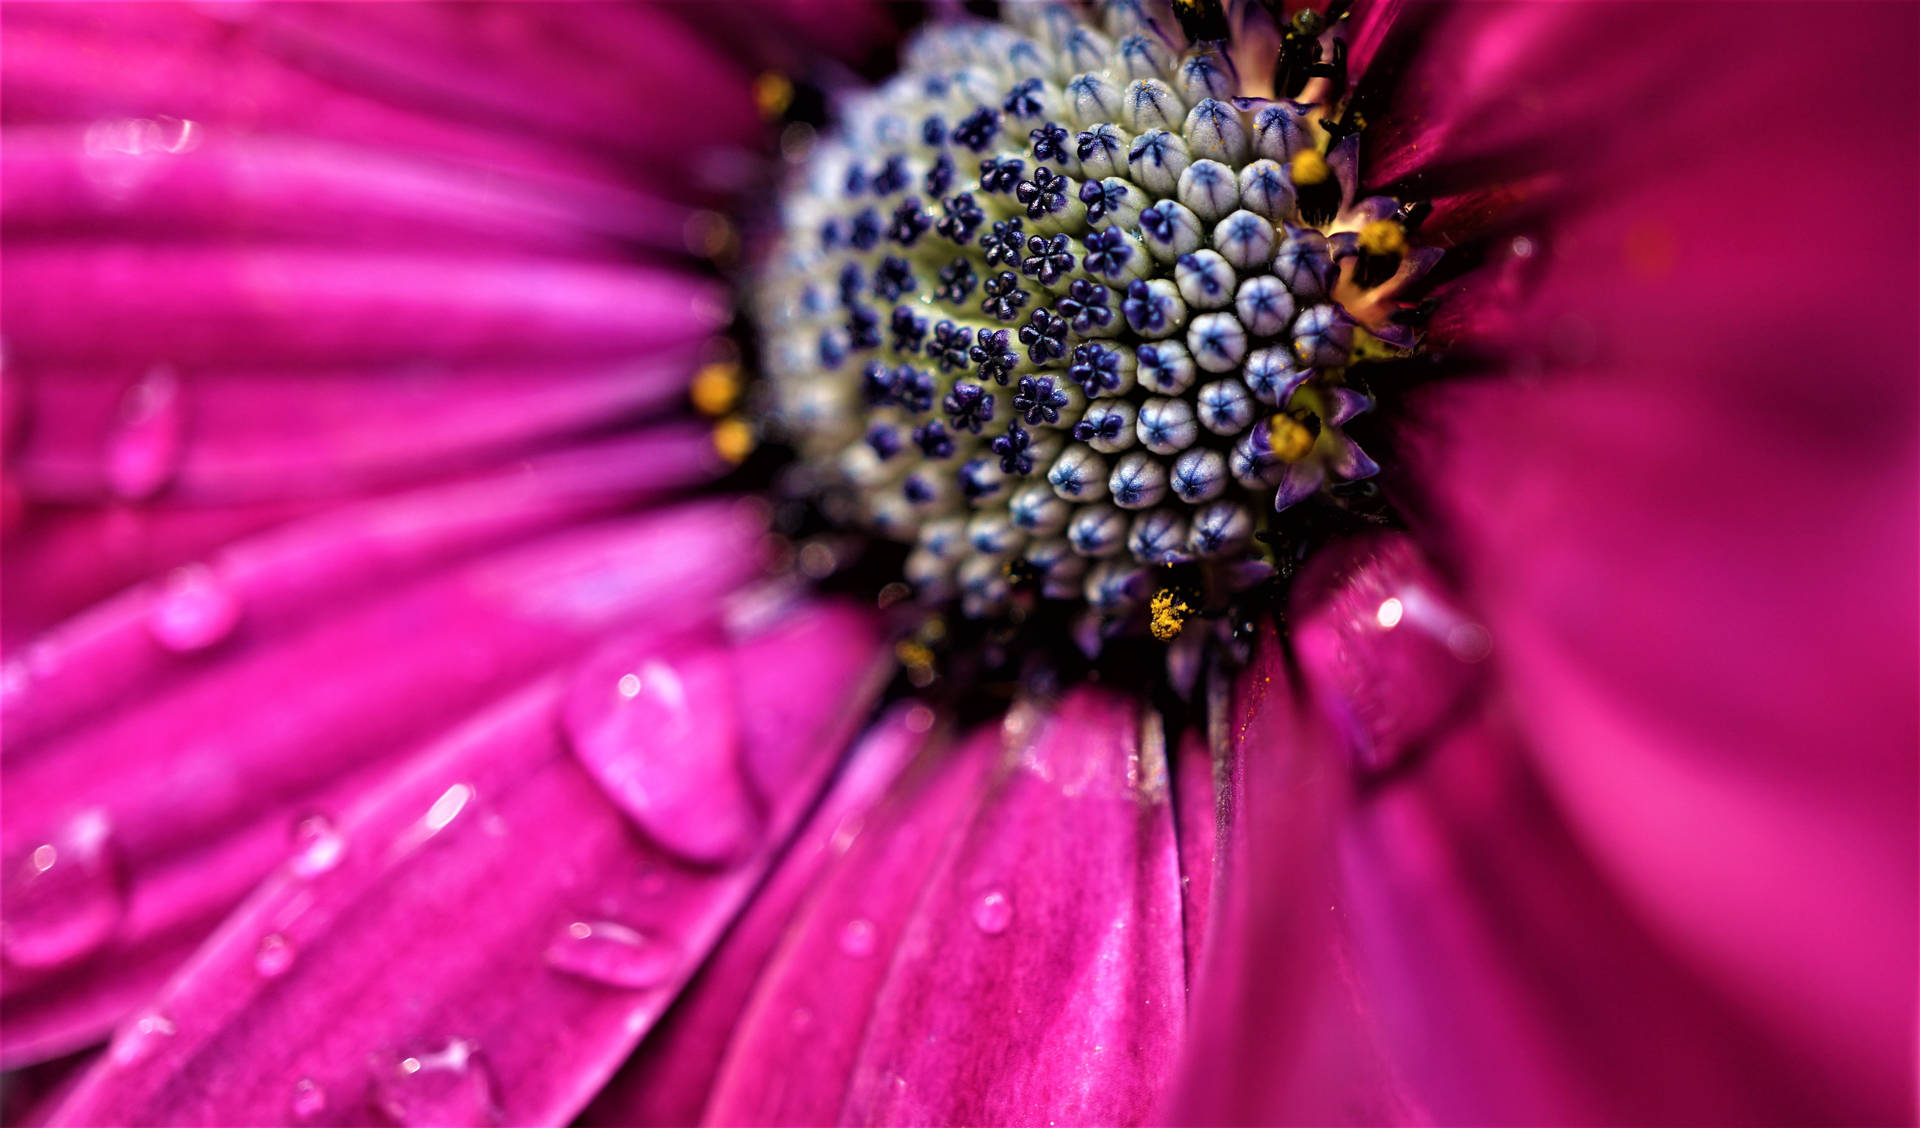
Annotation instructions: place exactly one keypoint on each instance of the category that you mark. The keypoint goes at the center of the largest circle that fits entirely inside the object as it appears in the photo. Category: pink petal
(799, 1016)
(265, 306)
(495, 937)
(279, 579)
(1042, 974)
(192, 797)
(670, 1079)
(238, 436)
(123, 178)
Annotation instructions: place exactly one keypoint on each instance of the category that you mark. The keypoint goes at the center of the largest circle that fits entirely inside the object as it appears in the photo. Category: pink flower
(407, 719)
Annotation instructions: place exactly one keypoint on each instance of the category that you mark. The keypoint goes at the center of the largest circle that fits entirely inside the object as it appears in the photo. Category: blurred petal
(257, 305)
(668, 1082)
(497, 934)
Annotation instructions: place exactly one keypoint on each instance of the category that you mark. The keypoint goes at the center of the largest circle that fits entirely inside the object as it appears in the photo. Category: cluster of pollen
(1058, 307)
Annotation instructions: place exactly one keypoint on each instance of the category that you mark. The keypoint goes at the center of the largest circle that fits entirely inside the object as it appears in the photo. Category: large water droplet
(612, 954)
(317, 846)
(143, 449)
(857, 938)
(446, 1085)
(993, 912)
(137, 1040)
(309, 1099)
(661, 738)
(193, 609)
(64, 898)
(1388, 657)
(274, 955)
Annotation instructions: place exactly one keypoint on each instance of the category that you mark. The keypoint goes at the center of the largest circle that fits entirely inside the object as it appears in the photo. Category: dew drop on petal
(317, 845)
(661, 739)
(309, 1099)
(274, 956)
(613, 954)
(137, 1040)
(144, 447)
(445, 1084)
(993, 912)
(193, 609)
(1387, 653)
(64, 897)
(857, 938)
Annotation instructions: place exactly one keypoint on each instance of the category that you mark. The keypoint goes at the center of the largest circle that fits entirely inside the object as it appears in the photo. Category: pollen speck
(1290, 438)
(1383, 237)
(733, 439)
(1167, 614)
(1309, 167)
(772, 93)
(715, 389)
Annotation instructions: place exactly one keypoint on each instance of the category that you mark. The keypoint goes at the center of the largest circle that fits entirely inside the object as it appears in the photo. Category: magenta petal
(495, 935)
(282, 578)
(800, 1037)
(671, 1078)
(195, 796)
(227, 436)
(1042, 975)
(191, 306)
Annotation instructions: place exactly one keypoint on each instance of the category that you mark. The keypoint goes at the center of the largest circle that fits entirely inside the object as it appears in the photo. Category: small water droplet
(194, 609)
(64, 897)
(447, 1085)
(309, 1099)
(919, 719)
(139, 1039)
(318, 846)
(665, 749)
(993, 912)
(274, 955)
(857, 938)
(144, 447)
(613, 954)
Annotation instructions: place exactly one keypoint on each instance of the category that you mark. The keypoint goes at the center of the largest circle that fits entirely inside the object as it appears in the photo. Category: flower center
(1064, 312)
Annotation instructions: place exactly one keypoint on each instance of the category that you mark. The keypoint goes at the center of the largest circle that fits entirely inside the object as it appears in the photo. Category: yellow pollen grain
(1309, 168)
(772, 93)
(715, 388)
(1383, 237)
(733, 439)
(1289, 438)
(1167, 614)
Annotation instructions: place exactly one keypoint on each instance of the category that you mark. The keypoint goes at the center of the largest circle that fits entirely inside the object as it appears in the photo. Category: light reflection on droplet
(273, 957)
(857, 938)
(64, 897)
(613, 954)
(630, 685)
(139, 1039)
(447, 808)
(919, 719)
(445, 1086)
(993, 912)
(1388, 616)
(309, 1099)
(144, 447)
(317, 846)
(193, 609)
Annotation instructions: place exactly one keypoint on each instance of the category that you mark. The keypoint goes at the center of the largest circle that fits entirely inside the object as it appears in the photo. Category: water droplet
(919, 719)
(309, 1099)
(857, 938)
(139, 1039)
(612, 954)
(448, 1085)
(318, 846)
(144, 447)
(1388, 656)
(64, 898)
(993, 912)
(193, 609)
(665, 748)
(274, 956)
